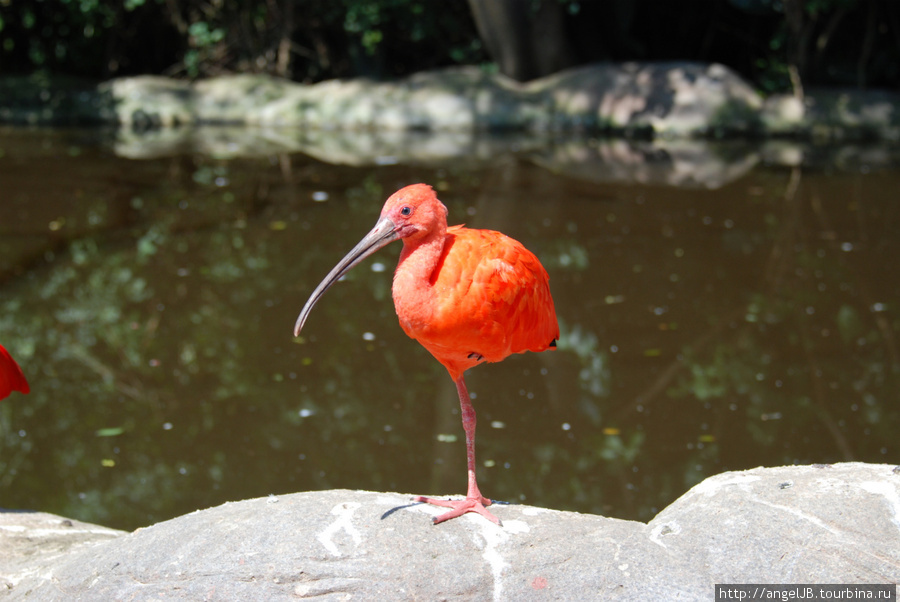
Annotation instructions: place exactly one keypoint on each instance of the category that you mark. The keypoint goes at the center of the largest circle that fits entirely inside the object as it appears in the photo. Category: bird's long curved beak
(383, 233)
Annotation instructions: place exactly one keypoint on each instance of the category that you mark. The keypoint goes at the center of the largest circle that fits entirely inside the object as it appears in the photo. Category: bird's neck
(420, 258)
(416, 272)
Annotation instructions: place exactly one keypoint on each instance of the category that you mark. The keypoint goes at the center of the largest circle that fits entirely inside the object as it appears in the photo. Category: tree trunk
(527, 40)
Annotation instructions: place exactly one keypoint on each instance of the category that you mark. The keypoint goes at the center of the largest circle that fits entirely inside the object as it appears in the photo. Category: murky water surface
(726, 313)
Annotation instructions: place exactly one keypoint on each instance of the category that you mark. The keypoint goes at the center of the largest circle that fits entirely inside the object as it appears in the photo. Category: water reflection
(746, 317)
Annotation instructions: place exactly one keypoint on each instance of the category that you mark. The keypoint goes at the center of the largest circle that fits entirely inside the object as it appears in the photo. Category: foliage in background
(779, 44)
(308, 40)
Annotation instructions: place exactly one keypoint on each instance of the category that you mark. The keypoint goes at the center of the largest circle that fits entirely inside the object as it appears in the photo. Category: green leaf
(113, 431)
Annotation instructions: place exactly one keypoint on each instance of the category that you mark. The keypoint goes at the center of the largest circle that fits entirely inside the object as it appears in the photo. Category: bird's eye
(406, 210)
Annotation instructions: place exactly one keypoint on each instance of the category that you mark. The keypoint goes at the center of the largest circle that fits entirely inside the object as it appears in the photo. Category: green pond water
(721, 308)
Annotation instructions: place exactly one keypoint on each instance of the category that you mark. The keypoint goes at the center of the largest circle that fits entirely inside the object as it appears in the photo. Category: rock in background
(669, 99)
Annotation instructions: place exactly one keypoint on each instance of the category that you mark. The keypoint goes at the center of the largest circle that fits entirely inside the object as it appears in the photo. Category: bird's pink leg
(474, 502)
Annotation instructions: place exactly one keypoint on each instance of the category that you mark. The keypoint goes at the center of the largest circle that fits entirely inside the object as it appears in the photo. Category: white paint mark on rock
(494, 539)
(711, 486)
(801, 515)
(343, 522)
(36, 532)
(532, 511)
(392, 500)
(889, 492)
(667, 528)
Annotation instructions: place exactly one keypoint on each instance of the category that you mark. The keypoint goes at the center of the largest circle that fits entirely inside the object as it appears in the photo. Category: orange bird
(11, 377)
(468, 296)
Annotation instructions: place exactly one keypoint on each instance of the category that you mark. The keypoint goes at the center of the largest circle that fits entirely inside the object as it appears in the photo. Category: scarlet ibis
(468, 296)
(11, 377)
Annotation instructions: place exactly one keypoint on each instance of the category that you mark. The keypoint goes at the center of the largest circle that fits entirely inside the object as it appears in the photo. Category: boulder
(32, 543)
(676, 98)
(669, 99)
(802, 524)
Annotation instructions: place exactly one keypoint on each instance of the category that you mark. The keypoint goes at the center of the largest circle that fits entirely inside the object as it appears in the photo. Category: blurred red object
(11, 377)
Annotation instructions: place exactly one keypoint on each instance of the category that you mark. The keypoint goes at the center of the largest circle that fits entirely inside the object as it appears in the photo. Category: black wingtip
(552, 343)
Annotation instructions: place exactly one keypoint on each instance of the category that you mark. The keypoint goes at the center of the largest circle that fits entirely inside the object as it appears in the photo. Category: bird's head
(415, 211)
(409, 214)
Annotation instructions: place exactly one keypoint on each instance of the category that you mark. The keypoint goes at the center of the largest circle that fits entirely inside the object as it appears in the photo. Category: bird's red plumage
(469, 295)
(491, 298)
(11, 377)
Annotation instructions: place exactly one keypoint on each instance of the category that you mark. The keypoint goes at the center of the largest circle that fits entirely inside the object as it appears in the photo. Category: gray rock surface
(803, 524)
(668, 99)
(33, 542)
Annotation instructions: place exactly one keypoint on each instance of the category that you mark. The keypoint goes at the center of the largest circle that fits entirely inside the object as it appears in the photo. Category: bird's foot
(460, 507)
